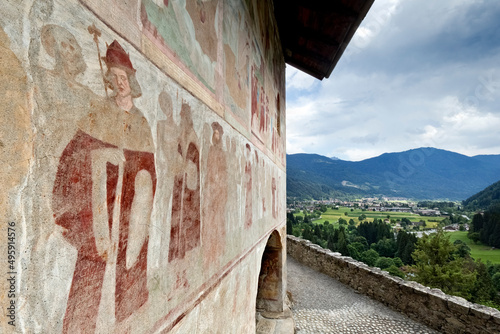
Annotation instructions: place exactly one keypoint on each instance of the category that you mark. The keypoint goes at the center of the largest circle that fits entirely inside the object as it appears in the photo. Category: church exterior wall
(143, 164)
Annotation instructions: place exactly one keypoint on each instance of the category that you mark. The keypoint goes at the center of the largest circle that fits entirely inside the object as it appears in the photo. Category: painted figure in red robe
(103, 196)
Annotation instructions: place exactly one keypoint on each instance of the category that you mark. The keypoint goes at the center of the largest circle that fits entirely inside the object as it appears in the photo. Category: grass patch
(478, 251)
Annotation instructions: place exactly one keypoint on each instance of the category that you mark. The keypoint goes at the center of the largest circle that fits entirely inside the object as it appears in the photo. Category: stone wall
(448, 314)
(143, 164)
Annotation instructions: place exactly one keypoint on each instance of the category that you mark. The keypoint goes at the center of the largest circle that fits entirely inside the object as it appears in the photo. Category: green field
(479, 251)
(333, 216)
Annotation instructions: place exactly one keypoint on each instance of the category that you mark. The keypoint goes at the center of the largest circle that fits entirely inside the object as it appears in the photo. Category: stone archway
(270, 290)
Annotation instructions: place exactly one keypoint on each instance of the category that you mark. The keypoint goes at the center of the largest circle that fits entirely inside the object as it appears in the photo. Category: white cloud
(298, 79)
(418, 82)
(380, 17)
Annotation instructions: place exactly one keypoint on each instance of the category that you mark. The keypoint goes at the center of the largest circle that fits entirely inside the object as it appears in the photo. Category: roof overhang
(315, 33)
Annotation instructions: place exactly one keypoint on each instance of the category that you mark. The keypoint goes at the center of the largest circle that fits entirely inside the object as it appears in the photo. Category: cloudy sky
(417, 73)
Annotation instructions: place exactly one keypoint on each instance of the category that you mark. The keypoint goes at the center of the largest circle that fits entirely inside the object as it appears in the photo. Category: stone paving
(323, 305)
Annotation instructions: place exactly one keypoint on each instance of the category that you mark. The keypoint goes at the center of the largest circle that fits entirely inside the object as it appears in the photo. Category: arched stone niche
(271, 277)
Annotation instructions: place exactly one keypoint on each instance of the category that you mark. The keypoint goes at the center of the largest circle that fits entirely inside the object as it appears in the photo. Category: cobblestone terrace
(323, 305)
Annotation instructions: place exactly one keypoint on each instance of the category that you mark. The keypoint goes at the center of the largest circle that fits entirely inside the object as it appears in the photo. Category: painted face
(216, 137)
(70, 54)
(120, 82)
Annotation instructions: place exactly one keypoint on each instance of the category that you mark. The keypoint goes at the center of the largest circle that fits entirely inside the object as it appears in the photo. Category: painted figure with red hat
(139, 183)
(103, 197)
(120, 77)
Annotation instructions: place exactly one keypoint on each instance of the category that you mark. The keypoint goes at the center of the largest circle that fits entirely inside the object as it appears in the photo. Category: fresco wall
(142, 147)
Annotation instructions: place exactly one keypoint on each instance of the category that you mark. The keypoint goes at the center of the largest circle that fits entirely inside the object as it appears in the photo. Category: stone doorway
(273, 315)
(270, 290)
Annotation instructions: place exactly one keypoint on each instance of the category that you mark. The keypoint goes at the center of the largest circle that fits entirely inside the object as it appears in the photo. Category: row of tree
(486, 227)
(448, 266)
(371, 242)
(432, 260)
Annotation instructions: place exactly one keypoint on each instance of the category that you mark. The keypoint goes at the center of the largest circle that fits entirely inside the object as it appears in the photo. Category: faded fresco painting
(237, 58)
(229, 44)
(189, 32)
(215, 201)
(137, 197)
(252, 70)
(186, 218)
(15, 134)
(105, 181)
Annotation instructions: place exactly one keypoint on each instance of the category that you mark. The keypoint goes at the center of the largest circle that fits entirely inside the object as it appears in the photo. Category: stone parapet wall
(432, 307)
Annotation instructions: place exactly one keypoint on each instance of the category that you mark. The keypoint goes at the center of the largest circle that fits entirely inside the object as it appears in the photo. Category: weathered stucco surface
(142, 150)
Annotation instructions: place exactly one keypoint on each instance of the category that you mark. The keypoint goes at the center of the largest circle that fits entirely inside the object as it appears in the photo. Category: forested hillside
(486, 223)
(484, 199)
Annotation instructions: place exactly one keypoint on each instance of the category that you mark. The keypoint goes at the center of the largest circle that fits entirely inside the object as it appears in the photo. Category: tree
(342, 242)
(436, 267)
(307, 220)
(369, 257)
(474, 236)
(355, 250)
(374, 231)
(496, 281)
(405, 246)
(385, 247)
(317, 231)
(395, 271)
(397, 262)
(307, 233)
(483, 289)
(462, 249)
(384, 262)
(289, 227)
(361, 240)
(406, 221)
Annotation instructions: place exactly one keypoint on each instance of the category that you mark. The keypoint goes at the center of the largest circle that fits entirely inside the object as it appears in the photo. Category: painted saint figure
(248, 187)
(64, 100)
(139, 183)
(169, 163)
(103, 196)
(185, 227)
(214, 208)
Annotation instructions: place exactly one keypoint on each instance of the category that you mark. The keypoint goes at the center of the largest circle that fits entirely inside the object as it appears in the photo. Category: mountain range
(423, 173)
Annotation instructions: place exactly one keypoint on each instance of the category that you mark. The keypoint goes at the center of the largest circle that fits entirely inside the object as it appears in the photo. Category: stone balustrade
(432, 307)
